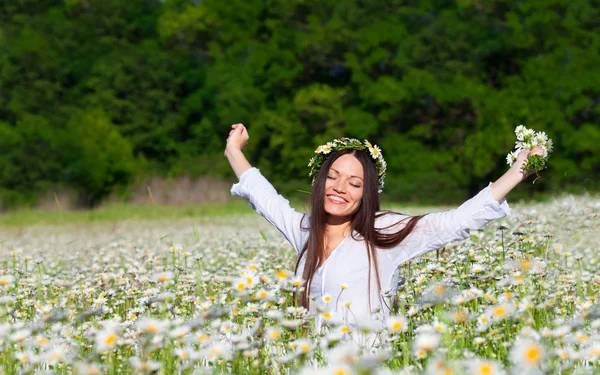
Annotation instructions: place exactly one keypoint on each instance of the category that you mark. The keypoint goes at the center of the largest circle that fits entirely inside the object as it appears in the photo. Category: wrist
(516, 173)
(232, 151)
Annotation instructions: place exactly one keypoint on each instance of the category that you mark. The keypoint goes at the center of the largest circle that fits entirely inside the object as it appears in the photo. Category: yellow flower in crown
(322, 151)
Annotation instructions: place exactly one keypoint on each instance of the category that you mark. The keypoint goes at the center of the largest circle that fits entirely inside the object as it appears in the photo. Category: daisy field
(218, 295)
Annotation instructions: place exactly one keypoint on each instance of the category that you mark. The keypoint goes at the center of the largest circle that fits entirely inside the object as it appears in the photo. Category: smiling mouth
(336, 200)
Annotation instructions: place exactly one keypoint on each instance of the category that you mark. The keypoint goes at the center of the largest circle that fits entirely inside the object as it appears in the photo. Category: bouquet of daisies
(527, 139)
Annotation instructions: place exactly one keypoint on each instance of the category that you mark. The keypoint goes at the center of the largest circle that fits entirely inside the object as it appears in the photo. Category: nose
(338, 187)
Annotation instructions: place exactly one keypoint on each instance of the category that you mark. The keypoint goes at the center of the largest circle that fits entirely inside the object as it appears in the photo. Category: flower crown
(343, 144)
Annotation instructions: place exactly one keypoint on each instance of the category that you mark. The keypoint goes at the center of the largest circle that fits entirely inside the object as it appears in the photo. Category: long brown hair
(363, 221)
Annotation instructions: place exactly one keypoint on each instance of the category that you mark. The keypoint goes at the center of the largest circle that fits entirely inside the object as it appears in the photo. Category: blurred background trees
(96, 94)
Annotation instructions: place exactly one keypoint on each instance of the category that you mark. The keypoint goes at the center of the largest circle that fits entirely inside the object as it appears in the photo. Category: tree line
(96, 94)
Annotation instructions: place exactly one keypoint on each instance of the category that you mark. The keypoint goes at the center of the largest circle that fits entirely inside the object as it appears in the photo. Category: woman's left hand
(522, 157)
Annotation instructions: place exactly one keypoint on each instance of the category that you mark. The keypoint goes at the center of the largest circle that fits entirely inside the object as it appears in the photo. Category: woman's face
(344, 188)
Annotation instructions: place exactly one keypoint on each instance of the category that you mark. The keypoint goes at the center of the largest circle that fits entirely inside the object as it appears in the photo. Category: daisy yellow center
(163, 278)
(305, 348)
(345, 329)
(241, 286)
(152, 328)
(3, 281)
(282, 274)
(532, 355)
(500, 311)
(397, 326)
(485, 369)
(439, 290)
(111, 339)
(326, 315)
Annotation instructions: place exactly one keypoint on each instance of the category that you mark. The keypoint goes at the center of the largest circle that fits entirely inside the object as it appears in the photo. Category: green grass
(123, 212)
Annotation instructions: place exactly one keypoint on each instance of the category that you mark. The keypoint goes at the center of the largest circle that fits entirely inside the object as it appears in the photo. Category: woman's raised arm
(237, 140)
(260, 194)
(435, 230)
(514, 175)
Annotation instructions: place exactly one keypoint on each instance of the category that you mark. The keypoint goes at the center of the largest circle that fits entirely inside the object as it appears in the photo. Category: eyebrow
(338, 172)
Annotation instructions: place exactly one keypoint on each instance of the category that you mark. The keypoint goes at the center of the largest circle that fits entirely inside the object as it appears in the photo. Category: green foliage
(97, 156)
(29, 163)
(95, 92)
(535, 163)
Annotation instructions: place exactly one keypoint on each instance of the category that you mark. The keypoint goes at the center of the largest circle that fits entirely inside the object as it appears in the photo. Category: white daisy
(511, 158)
(527, 354)
(396, 323)
(528, 134)
(375, 151)
(520, 131)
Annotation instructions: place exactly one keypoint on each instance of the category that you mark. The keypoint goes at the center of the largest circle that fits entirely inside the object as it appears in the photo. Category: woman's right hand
(238, 138)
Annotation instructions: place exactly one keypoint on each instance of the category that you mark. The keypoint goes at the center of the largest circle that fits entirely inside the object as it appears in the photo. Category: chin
(339, 213)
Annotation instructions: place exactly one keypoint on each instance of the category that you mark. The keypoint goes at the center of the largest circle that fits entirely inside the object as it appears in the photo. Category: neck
(338, 227)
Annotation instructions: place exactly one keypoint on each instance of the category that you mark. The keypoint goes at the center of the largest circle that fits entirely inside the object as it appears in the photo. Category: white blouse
(348, 263)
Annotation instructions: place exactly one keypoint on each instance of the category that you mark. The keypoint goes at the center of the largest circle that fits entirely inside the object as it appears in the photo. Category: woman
(349, 252)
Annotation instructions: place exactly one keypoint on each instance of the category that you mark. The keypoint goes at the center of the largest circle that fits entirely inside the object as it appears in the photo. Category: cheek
(357, 198)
